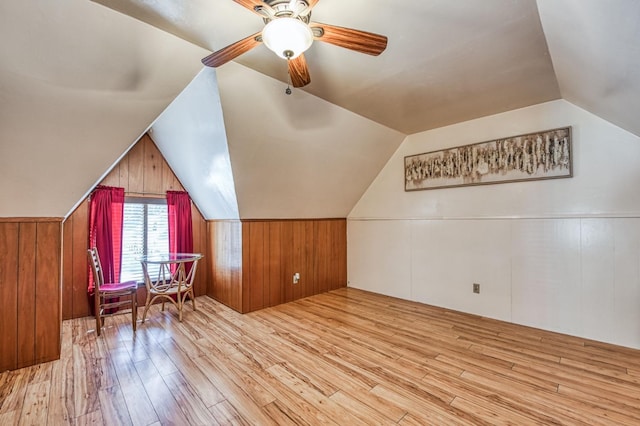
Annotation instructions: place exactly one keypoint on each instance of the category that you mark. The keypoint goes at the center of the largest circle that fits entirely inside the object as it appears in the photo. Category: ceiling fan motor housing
(298, 9)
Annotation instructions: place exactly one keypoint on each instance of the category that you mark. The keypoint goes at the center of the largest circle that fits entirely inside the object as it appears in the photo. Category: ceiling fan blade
(232, 51)
(299, 72)
(360, 41)
(312, 3)
(250, 4)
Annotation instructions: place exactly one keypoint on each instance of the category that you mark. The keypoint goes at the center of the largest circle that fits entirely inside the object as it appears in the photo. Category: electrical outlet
(476, 288)
(296, 277)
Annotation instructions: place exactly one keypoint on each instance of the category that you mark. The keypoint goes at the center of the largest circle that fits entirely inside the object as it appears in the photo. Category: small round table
(174, 280)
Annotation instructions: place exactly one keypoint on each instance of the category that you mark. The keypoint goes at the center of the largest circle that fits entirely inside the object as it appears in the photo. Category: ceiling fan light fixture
(287, 37)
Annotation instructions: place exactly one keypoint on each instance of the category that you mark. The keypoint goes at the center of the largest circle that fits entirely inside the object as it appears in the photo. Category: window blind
(145, 232)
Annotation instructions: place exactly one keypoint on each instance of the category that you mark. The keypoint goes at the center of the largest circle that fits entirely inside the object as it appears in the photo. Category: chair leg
(134, 310)
(146, 306)
(96, 307)
(179, 304)
(193, 299)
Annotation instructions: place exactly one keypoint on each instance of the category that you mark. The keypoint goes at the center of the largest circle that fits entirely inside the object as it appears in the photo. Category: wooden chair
(107, 296)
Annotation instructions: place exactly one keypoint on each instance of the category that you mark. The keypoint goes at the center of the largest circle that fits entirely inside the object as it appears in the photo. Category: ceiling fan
(289, 33)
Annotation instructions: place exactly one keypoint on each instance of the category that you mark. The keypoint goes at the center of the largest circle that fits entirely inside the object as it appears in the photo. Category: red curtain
(105, 231)
(180, 227)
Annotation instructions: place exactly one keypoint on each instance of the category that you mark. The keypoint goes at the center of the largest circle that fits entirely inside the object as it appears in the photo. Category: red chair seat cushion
(118, 286)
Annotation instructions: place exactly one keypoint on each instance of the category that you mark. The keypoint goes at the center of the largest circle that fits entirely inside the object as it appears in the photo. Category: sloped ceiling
(446, 61)
(297, 156)
(80, 82)
(293, 156)
(595, 47)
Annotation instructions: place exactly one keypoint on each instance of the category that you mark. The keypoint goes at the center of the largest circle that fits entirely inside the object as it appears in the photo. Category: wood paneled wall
(30, 277)
(142, 172)
(253, 261)
(225, 262)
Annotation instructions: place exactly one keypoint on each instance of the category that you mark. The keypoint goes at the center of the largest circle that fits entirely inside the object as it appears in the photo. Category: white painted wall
(562, 255)
(191, 135)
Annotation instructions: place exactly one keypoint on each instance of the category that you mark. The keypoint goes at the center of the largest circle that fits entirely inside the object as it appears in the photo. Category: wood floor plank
(61, 404)
(224, 413)
(35, 406)
(281, 391)
(187, 398)
(605, 401)
(427, 411)
(490, 413)
(161, 397)
(14, 390)
(282, 415)
(559, 408)
(40, 373)
(85, 392)
(362, 411)
(343, 357)
(10, 418)
(92, 418)
(472, 364)
(602, 368)
(567, 375)
(113, 407)
(205, 390)
(244, 393)
(475, 392)
(139, 407)
(327, 409)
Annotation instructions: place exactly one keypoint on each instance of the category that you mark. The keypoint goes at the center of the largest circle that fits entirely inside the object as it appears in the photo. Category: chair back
(96, 267)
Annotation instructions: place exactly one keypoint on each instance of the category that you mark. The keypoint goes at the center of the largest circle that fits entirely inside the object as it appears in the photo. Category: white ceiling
(446, 61)
(79, 82)
(595, 45)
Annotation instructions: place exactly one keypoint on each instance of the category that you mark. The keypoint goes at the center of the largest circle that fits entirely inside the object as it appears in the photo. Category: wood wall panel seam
(47, 312)
(9, 243)
(26, 288)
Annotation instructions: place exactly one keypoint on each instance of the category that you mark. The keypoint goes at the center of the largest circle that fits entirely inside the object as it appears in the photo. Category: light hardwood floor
(347, 357)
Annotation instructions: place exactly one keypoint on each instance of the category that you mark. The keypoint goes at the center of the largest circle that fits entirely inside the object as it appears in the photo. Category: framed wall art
(541, 155)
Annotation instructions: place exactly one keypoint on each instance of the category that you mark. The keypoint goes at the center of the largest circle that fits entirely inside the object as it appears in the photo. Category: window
(145, 232)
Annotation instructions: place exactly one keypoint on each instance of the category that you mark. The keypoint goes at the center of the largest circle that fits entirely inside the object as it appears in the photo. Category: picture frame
(533, 156)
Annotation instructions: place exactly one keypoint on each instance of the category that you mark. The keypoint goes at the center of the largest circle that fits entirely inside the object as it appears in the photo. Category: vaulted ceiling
(446, 61)
(81, 81)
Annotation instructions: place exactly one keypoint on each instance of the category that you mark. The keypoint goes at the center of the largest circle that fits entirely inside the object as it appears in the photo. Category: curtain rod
(159, 194)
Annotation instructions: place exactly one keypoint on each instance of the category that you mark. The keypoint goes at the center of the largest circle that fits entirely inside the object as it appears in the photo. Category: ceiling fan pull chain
(289, 82)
